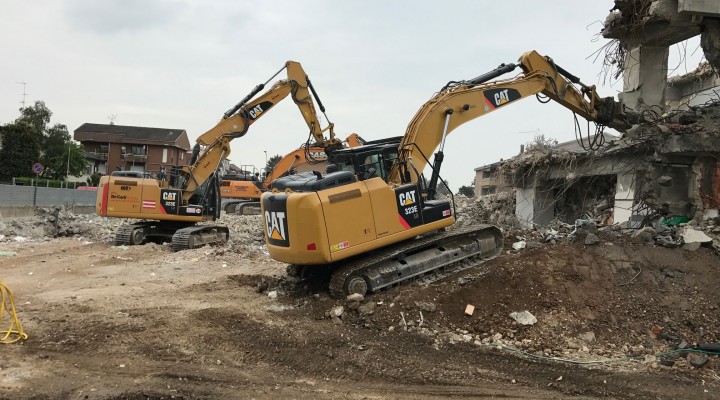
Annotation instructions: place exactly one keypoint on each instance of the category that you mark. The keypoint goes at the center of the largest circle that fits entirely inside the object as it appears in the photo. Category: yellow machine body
(356, 218)
(143, 198)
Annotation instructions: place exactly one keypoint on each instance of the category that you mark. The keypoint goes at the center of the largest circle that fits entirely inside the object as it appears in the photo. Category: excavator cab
(374, 159)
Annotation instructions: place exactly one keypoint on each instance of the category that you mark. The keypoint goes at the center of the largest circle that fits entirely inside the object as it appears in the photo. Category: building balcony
(134, 157)
(96, 156)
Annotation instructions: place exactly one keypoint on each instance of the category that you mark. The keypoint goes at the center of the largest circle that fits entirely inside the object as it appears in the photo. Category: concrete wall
(30, 211)
(14, 195)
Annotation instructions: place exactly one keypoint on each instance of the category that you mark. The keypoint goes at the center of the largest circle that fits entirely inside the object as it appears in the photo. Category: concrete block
(709, 8)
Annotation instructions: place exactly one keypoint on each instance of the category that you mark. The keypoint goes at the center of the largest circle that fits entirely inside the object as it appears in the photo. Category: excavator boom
(460, 102)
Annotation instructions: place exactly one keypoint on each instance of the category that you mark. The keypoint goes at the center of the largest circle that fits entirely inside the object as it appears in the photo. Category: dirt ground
(142, 322)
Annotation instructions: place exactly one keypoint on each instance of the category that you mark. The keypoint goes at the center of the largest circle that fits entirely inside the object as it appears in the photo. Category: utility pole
(24, 94)
(266, 171)
(67, 171)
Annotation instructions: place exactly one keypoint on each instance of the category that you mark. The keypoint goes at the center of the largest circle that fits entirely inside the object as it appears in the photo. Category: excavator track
(198, 235)
(128, 235)
(429, 258)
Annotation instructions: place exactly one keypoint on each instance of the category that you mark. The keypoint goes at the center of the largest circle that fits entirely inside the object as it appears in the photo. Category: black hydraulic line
(432, 186)
(242, 102)
(572, 78)
(315, 95)
(437, 161)
(501, 70)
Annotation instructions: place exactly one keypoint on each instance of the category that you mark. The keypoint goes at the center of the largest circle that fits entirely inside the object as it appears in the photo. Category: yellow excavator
(172, 207)
(245, 190)
(374, 222)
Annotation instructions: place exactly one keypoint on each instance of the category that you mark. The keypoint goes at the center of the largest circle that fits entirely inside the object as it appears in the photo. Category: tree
(271, 163)
(61, 156)
(467, 191)
(50, 145)
(442, 190)
(37, 116)
(20, 150)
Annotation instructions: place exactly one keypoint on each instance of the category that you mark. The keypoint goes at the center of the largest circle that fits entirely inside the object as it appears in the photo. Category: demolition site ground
(620, 319)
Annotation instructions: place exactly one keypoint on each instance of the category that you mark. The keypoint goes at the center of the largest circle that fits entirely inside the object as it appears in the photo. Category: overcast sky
(182, 63)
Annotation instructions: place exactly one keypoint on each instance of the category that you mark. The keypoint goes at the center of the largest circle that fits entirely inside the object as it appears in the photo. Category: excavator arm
(460, 102)
(237, 120)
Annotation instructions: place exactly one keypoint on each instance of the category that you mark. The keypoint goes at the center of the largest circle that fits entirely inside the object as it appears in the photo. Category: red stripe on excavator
(403, 222)
(104, 200)
(489, 103)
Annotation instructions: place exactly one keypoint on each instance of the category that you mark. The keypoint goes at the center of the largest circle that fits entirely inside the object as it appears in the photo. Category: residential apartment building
(485, 182)
(132, 148)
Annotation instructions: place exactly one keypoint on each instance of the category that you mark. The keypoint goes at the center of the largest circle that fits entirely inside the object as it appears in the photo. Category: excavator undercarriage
(424, 259)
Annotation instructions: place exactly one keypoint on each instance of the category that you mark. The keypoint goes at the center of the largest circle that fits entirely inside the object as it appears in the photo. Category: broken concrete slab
(355, 297)
(691, 235)
(425, 306)
(591, 239)
(469, 310)
(523, 317)
(337, 311)
(367, 309)
(698, 361)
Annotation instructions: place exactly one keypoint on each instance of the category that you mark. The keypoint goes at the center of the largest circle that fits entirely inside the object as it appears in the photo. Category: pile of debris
(55, 222)
(246, 231)
(496, 208)
(688, 236)
(621, 302)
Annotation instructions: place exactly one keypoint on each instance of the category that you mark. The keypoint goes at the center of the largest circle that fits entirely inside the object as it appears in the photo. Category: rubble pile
(246, 231)
(496, 208)
(617, 302)
(58, 221)
(246, 234)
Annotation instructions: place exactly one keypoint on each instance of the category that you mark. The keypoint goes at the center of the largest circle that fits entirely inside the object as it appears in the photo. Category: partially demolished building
(668, 165)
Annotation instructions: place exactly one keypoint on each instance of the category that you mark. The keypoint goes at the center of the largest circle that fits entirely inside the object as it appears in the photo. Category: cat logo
(275, 225)
(408, 198)
(255, 111)
(501, 97)
(495, 98)
(168, 196)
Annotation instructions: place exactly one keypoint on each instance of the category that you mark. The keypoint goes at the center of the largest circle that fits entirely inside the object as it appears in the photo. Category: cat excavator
(374, 222)
(173, 207)
(245, 191)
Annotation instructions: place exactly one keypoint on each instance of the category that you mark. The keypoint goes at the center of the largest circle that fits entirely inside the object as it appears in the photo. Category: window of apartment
(122, 150)
(102, 149)
(487, 190)
(164, 159)
(138, 150)
(182, 155)
(487, 174)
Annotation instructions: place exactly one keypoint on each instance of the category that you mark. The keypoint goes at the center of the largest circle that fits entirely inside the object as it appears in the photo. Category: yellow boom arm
(236, 121)
(460, 102)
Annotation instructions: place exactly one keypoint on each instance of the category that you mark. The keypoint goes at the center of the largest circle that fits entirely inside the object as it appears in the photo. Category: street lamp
(67, 171)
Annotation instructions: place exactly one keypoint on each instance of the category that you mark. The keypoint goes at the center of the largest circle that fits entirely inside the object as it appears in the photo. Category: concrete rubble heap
(246, 233)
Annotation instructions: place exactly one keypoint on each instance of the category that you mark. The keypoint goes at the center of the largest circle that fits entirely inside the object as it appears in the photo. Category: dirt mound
(613, 300)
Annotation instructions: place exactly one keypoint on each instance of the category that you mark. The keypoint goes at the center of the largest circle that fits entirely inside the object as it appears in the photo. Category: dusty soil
(142, 322)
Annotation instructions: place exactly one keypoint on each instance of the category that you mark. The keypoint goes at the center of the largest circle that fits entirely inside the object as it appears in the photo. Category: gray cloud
(120, 16)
